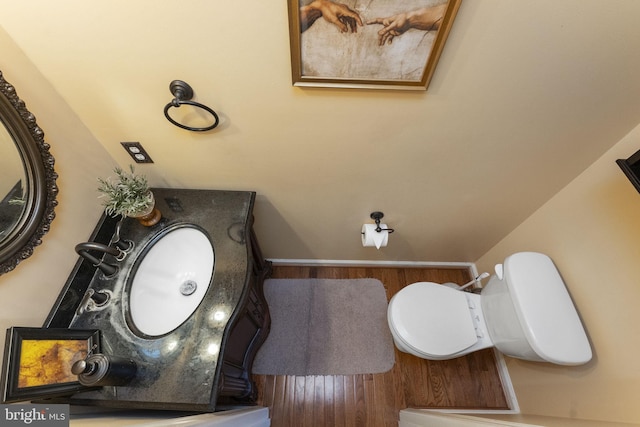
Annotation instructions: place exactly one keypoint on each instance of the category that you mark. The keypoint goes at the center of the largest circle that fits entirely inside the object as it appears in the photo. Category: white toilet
(525, 311)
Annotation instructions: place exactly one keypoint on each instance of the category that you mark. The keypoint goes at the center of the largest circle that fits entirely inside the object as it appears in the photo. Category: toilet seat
(432, 319)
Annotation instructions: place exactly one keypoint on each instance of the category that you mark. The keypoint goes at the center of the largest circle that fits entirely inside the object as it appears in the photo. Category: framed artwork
(631, 168)
(37, 361)
(370, 44)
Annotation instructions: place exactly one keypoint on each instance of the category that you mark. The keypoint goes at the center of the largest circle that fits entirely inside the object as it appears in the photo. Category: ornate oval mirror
(27, 180)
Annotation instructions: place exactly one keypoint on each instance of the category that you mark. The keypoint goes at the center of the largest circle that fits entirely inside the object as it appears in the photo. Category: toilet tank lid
(545, 309)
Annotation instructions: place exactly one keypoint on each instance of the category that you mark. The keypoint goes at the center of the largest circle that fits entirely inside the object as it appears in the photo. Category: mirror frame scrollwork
(40, 186)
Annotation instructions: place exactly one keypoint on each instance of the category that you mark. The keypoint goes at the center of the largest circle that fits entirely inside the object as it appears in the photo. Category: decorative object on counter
(38, 361)
(150, 216)
(182, 94)
(102, 370)
(27, 210)
(377, 236)
(631, 168)
(129, 196)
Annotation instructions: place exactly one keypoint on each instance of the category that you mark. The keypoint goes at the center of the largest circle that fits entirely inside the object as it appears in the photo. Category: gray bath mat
(326, 327)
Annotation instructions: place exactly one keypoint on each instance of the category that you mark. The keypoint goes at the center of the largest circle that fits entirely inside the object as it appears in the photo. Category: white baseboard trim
(368, 263)
(507, 385)
(505, 379)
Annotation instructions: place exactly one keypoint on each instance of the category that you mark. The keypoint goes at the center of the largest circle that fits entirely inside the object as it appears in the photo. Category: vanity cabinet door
(242, 335)
(249, 331)
(245, 337)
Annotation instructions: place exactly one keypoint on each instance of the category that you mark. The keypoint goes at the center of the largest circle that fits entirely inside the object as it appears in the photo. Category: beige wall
(591, 229)
(28, 292)
(527, 94)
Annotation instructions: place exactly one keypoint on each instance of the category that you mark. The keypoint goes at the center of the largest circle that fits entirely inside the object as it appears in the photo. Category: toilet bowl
(436, 322)
(525, 311)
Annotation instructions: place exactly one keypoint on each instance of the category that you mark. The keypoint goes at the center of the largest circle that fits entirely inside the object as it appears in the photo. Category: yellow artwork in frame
(46, 362)
(37, 361)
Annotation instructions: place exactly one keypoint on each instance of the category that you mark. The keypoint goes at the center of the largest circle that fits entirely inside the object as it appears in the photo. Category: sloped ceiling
(526, 95)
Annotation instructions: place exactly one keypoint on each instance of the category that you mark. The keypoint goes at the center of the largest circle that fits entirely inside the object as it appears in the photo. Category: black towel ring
(183, 93)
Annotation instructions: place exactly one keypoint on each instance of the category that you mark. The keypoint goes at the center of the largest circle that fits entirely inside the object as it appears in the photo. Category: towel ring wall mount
(182, 94)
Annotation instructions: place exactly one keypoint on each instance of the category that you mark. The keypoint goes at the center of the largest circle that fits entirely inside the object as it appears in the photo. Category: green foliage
(17, 201)
(127, 196)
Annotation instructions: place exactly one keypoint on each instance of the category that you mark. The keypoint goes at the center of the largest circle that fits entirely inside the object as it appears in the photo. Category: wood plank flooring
(374, 400)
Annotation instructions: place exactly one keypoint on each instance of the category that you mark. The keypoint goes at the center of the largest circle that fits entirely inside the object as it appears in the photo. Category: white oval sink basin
(171, 281)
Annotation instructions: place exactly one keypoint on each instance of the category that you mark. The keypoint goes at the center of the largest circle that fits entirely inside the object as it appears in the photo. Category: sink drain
(188, 287)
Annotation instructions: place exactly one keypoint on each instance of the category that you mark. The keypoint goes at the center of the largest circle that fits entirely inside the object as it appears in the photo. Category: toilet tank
(530, 315)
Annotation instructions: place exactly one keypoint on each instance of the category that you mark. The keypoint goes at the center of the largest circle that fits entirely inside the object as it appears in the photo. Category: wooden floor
(372, 400)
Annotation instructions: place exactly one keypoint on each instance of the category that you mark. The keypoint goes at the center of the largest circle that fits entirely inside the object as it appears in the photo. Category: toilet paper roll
(371, 237)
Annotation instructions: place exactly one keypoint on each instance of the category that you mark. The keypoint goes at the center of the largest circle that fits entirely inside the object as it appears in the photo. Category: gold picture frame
(37, 361)
(374, 44)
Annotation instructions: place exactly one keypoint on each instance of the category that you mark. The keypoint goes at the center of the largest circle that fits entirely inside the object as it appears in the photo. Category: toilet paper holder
(377, 216)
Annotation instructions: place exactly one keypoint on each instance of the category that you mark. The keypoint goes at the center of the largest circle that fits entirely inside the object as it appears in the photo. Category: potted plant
(130, 196)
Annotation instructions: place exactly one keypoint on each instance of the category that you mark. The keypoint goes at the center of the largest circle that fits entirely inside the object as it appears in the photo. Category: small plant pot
(150, 216)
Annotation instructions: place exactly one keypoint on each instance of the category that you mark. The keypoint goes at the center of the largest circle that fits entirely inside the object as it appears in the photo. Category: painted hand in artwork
(338, 14)
(425, 19)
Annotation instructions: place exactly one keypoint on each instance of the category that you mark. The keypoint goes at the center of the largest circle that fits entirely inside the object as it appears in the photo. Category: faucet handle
(123, 246)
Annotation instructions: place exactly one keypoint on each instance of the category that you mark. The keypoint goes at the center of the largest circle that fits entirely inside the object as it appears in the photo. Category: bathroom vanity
(204, 362)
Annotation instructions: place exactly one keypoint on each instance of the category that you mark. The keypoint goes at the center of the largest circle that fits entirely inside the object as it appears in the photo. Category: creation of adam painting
(389, 44)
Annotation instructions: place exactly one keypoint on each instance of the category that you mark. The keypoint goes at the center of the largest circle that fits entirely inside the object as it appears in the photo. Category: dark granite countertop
(178, 370)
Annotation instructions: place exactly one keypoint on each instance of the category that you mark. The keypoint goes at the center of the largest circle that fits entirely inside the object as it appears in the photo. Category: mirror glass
(12, 179)
(27, 180)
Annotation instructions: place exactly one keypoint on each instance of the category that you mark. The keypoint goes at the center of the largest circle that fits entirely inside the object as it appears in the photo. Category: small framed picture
(373, 44)
(37, 361)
